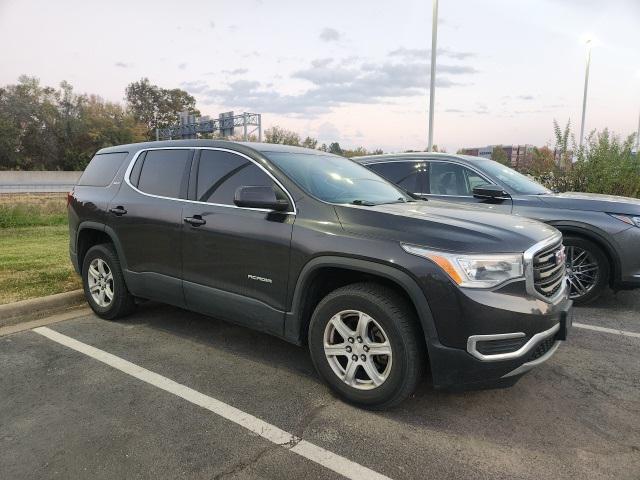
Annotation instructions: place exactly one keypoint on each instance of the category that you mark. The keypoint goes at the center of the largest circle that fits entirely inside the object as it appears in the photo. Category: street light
(638, 137)
(638, 132)
(432, 89)
(589, 42)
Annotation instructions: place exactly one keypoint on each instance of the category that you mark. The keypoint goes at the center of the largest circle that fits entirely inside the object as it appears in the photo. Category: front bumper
(454, 368)
(497, 336)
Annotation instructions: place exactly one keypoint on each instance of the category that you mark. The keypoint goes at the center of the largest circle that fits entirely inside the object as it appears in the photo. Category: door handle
(118, 210)
(195, 221)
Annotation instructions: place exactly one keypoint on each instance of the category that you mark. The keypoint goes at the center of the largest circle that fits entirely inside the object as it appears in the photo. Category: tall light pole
(638, 132)
(638, 137)
(432, 88)
(586, 86)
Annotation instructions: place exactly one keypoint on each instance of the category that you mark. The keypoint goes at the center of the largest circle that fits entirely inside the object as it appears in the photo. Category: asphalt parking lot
(172, 394)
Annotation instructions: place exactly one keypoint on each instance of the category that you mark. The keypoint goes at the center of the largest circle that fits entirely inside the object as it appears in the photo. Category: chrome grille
(549, 269)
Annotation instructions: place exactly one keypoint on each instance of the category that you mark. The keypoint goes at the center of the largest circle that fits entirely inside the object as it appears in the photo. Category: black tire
(123, 303)
(398, 321)
(604, 268)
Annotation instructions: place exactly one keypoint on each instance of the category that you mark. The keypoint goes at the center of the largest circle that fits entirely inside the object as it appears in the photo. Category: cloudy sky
(353, 71)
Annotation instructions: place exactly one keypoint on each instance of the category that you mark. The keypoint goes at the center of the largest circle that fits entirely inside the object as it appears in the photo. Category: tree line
(46, 128)
(287, 137)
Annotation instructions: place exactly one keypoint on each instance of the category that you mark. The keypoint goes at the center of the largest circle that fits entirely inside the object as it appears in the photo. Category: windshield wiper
(399, 200)
(365, 203)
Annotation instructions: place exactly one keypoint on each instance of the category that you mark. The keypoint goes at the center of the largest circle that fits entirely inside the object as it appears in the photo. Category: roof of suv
(418, 156)
(259, 147)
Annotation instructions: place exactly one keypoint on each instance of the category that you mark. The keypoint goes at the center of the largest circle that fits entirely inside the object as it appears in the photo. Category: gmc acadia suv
(317, 249)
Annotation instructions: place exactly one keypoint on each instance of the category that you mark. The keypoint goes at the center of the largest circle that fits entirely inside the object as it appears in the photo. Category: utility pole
(155, 121)
(584, 97)
(244, 126)
(432, 88)
(638, 137)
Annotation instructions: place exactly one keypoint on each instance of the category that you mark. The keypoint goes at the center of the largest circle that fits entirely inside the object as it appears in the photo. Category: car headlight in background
(474, 271)
(630, 219)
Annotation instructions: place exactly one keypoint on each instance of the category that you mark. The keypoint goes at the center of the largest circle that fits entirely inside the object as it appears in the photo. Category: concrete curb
(17, 312)
(48, 320)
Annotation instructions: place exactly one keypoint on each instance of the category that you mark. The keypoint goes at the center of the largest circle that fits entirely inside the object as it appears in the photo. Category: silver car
(601, 232)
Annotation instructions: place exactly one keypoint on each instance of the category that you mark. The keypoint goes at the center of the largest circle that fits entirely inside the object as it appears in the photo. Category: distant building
(520, 156)
(470, 151)
(485, 152)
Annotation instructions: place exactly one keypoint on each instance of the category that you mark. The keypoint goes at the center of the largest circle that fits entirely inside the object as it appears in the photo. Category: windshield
(335, 179)
(518, 182)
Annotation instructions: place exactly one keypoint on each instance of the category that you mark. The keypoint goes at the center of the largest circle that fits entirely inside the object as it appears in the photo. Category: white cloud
(426, 53)
(236, 71)
(333, 85)
(330, 35)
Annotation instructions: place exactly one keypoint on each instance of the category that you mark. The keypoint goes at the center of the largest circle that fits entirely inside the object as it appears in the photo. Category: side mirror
(490, 192)
(259, 197)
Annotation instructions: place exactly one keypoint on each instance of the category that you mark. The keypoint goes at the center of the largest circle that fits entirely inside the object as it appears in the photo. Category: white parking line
(319, 455)
(606, 330)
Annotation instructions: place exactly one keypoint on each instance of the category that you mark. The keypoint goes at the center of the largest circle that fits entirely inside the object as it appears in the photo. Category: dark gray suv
(318, 250)
(601, 232)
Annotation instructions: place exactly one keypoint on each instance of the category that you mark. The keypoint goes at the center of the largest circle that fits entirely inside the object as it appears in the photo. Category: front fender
(295, 324)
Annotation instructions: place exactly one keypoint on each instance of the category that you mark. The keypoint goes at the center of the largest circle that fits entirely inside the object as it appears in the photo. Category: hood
(446, 226)
(593, 202)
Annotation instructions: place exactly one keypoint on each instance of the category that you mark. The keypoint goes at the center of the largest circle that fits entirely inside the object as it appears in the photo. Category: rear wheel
(365, 344)
(587, 269)
(103, 282)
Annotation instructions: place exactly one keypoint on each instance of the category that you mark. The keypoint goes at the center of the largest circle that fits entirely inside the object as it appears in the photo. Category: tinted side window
(221, 173)
(447, 179)
(101, 169)
(163, 172)
(473, 179)
(407, 175)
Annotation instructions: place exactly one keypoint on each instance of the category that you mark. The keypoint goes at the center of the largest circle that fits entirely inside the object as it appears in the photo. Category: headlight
(630, 219)
(474, 271)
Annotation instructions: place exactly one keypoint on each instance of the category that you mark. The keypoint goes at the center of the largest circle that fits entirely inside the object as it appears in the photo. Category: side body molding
(294, 329)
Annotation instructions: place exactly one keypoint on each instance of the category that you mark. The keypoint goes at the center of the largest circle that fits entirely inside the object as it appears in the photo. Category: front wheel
(365, 343)
(587, 269)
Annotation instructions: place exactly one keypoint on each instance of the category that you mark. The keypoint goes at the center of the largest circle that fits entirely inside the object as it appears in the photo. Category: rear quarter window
(101, 169)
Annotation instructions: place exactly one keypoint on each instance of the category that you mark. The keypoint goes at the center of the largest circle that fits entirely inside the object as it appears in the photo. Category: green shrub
(605, 164)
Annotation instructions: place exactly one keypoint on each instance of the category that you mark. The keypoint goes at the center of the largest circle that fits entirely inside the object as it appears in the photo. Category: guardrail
(37, 181)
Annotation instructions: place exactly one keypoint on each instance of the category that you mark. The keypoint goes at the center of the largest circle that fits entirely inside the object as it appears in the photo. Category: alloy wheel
(100, 281)
(357, 349)
(583, 271)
